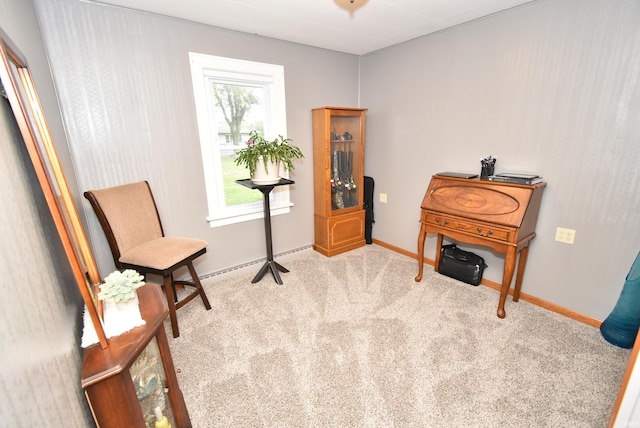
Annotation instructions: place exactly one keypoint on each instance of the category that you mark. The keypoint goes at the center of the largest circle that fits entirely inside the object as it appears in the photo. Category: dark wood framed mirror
(19, 89)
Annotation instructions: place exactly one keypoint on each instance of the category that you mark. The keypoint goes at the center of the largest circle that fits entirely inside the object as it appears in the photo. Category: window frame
(205, 69)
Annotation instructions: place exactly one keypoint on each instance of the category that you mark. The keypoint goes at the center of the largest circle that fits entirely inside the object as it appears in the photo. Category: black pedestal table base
(270, 264)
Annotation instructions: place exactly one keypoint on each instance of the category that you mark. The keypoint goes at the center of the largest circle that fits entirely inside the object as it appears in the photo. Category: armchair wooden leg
(196, 281)
(168, 289)
(175, 290)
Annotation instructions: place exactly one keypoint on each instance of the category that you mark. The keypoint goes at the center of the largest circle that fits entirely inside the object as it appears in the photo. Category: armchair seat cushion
(162, 253)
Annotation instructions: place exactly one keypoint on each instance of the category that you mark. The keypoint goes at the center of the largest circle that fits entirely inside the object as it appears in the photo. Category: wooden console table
(497, 215)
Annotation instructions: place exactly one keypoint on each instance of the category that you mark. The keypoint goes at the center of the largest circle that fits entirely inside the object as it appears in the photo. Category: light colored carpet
(354, 341)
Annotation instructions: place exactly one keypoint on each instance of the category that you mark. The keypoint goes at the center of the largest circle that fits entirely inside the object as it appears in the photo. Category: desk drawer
(468, 226)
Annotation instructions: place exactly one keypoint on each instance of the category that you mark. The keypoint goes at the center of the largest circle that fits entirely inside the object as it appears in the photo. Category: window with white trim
(232, 98)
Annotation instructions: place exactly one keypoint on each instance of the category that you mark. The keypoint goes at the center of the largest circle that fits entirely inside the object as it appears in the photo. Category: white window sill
(254, 215)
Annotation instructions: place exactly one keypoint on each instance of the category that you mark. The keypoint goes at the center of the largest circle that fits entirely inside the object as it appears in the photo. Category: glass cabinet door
(345, 153)
(150, 383)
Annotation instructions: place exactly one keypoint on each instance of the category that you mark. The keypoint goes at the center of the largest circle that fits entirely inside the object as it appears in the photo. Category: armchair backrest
(128, 215)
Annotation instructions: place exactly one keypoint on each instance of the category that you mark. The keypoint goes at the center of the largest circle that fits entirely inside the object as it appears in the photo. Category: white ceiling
(357, 28)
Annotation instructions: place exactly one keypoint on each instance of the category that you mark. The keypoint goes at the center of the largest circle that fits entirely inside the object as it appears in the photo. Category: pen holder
(487, 170)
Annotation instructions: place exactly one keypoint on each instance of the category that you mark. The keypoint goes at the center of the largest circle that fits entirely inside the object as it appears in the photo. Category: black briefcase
(462, 265)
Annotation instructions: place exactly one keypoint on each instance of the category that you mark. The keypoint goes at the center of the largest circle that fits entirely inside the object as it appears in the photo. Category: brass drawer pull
(446, 222)
(479, 229)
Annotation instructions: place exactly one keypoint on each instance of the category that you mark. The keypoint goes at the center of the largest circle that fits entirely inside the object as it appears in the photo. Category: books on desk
(457, 174)
(516, 178)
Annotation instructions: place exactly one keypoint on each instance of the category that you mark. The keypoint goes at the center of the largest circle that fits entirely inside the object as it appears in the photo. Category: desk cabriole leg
(421, 237)
(436, 265)
(507, 276)
(521, 265)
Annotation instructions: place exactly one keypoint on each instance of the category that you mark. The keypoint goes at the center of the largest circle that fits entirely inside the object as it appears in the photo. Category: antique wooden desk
(497, 215)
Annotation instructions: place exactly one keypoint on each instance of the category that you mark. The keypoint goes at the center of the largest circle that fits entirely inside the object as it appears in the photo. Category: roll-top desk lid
(483, 200)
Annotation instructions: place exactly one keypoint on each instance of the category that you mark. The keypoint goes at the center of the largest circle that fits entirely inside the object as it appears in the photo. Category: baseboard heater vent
(251, 263)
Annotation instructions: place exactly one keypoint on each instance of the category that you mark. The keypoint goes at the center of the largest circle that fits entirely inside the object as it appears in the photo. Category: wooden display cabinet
(338, 172)
(125, 382)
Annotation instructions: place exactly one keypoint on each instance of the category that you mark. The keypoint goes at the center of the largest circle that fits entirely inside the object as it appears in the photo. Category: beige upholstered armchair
(131, 223)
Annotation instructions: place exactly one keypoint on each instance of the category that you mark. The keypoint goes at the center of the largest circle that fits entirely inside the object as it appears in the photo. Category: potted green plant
(264, 158)
(121, 286)
(120, 300)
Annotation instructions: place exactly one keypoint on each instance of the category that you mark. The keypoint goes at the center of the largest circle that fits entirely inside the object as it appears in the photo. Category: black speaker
(368, 208)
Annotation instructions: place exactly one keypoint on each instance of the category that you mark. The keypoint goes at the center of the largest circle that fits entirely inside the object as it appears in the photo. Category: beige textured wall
(551, 87)
(40, 356)
(125, 88)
